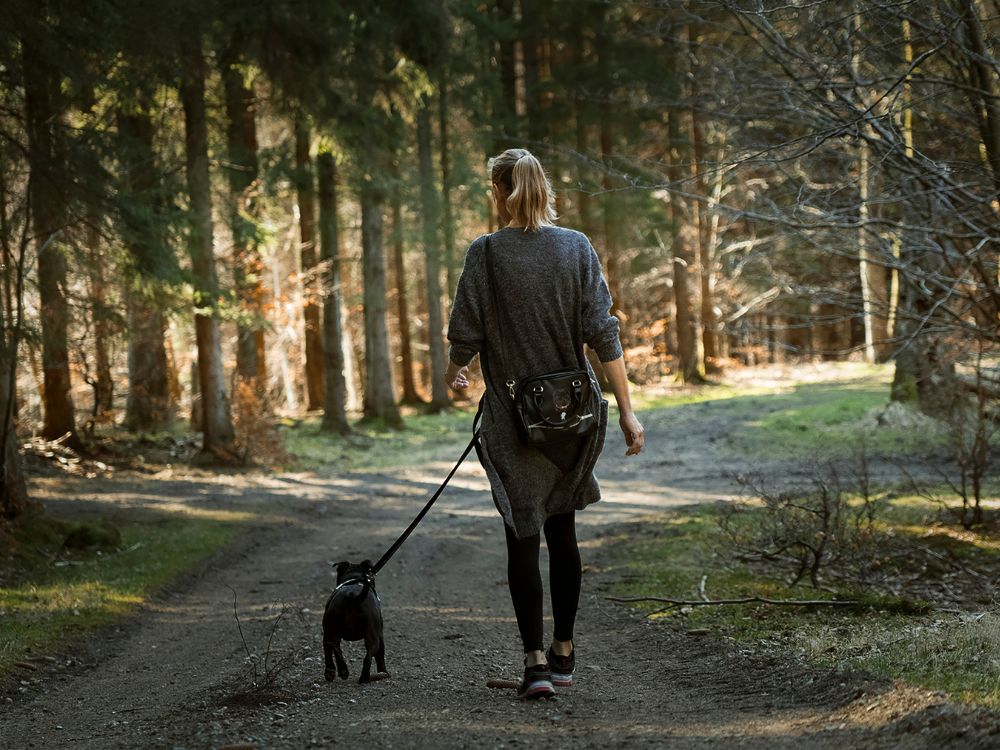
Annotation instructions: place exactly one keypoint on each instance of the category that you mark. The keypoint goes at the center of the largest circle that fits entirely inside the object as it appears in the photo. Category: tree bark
(410, 395)
(305, 185)
(609, 202)
(612, 230)
(379, 400)
(709, 335)
(242, 173)
(103, 385)
(684, 254)
(148, 405)
(334, 385)
(505, 113)
(447, 216)
(13, 489)
(217, 425)
(432, 251)
(984, 77)
(874, 296)
(47, 186)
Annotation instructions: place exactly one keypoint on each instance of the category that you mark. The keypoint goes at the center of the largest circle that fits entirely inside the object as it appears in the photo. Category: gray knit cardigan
(553, 297)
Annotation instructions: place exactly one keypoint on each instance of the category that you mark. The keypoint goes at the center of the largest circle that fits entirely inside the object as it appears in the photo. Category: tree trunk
(447, 217)
(149, 404)
(13, 489)
(334, 385)
(242, 173)
(531, 46)
(983, 74)
(874, 301)
(906, 125)
(410, 395)
(379, 401)
(504, 119)
(49, 216)
(612, 218)
(709, 335)
(305, 185)
(104, 387)
(684, 253)
(432, 254)
(217, 425)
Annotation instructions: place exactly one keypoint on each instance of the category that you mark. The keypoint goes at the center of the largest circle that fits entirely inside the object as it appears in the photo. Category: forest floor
(175, 673)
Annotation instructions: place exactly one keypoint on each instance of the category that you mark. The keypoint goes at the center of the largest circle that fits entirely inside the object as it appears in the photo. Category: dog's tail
(366, 586)
(364, 589)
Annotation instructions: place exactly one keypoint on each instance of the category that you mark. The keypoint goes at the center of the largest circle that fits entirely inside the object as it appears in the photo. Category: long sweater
(552, 297)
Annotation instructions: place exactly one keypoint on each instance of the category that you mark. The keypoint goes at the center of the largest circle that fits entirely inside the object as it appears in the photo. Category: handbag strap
(498, 314)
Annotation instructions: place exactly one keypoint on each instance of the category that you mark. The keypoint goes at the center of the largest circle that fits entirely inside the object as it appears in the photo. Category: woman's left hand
(457, 377)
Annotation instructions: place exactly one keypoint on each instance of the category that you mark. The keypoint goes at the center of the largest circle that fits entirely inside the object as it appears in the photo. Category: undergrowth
(51, 592)
(939, 629)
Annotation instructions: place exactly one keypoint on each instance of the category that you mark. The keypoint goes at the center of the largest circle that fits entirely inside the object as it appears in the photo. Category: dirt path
(164, 677)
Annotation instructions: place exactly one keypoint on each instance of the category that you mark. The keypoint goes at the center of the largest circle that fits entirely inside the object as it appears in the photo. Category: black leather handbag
(553, 406)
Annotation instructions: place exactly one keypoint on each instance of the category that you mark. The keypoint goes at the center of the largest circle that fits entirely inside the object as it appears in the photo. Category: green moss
(50, 593)
(904, 389)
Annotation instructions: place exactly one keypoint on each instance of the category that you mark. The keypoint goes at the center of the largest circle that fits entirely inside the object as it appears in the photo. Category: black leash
(413, 524)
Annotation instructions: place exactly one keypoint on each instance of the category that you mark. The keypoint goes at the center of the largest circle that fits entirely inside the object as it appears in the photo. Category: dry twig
(744, 600)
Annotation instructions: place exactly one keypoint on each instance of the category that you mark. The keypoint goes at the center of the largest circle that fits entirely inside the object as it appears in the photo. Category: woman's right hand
(634, 433)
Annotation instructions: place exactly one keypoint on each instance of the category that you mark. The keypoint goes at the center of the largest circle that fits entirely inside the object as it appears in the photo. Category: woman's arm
(465, 327)
(600, 331)
(632, 429)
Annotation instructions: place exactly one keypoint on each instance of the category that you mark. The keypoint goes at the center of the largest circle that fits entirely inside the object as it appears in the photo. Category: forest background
(219, 211)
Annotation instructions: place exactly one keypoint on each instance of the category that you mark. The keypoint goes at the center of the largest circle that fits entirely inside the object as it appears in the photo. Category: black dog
(353, 613)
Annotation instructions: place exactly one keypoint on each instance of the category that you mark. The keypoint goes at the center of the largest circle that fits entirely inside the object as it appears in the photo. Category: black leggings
(525, 581)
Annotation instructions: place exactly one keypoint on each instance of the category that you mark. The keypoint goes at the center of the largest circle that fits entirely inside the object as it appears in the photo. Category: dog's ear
(366, 565)
(342, 568)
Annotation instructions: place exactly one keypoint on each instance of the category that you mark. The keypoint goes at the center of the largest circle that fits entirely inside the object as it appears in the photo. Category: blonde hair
(530, 197)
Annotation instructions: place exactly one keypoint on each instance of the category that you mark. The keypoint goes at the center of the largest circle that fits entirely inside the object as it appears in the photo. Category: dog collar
(369, 579)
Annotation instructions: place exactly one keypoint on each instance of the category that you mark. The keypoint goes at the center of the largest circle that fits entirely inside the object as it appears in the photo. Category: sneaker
(561, 667)
(536, 683)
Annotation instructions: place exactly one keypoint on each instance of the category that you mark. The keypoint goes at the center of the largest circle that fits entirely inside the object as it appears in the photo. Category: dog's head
(348, 571)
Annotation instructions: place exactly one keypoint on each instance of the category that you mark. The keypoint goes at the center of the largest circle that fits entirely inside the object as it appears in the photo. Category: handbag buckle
(510, 387)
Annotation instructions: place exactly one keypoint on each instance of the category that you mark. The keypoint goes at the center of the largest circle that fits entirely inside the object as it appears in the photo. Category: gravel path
(173, 676)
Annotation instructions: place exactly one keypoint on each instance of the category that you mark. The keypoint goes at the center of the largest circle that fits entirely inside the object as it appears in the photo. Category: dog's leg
(341, 663)
(330, 672)
(380, 656)
(366, 667)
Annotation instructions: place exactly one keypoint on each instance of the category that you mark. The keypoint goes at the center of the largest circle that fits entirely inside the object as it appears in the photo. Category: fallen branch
(672, 603)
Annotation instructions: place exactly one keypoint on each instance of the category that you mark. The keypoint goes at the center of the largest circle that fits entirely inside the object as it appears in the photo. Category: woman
(551, 297)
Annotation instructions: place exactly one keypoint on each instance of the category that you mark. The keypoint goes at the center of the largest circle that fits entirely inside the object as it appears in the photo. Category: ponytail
(530, 197)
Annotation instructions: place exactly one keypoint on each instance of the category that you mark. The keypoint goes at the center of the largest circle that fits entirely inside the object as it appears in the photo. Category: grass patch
(831, 420)
(372, 446)
(643, 401)
(50, 594)
(956, 651)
